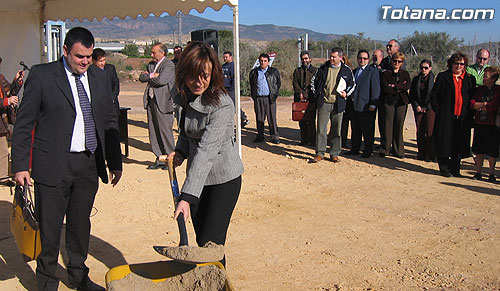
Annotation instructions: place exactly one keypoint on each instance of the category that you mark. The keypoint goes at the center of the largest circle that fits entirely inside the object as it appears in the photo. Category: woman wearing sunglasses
(420, 98)
(486, 138)
(450, 99)
(395, 83)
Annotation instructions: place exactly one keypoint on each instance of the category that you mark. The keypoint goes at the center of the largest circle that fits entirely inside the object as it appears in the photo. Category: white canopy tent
(21, 26)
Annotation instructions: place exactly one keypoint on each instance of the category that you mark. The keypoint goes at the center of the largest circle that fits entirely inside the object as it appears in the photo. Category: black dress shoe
(477, 176)
(156, 166)
(87, 285)
(456, 174)
(275, 140)
(446, 174)
(244, 123)
(366, 155)
(258, 139)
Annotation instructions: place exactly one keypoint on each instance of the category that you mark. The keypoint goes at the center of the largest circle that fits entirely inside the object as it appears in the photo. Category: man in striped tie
(68, 104)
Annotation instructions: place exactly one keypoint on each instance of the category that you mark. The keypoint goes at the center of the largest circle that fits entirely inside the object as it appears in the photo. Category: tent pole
(40, 29)
(236, 60)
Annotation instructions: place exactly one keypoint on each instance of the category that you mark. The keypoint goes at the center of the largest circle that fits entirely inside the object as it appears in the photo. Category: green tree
(438, 45)
(148, 47)
(225, 41)
(131, 50)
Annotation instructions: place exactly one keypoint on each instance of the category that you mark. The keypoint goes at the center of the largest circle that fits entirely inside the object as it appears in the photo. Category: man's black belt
(258, 96)
(85, 152)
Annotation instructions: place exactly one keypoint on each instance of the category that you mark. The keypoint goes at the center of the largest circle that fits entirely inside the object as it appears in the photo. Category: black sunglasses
(397, 61)
(389, 45)
(424, 68)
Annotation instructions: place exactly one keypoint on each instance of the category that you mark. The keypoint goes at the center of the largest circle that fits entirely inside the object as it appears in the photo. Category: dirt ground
(361, 224)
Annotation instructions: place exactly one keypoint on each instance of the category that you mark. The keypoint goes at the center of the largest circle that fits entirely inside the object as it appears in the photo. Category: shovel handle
(181, 223)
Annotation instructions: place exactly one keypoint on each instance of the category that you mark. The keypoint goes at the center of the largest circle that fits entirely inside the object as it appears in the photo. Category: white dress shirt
(78, 137)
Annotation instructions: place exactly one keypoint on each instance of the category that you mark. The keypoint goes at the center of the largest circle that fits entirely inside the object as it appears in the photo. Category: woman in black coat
(452, 129)
(420, 99)
(395, 83)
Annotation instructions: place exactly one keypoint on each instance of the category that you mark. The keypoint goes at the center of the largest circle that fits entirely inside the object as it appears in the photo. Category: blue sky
(353, 16)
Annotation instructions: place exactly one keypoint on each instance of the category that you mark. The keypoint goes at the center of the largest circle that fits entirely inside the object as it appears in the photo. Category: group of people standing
(445, 107)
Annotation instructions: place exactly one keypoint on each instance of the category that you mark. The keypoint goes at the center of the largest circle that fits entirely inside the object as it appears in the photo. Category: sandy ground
(381, 223)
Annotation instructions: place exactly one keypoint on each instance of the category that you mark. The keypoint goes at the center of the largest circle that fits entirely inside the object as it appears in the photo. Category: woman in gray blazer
(207, 140)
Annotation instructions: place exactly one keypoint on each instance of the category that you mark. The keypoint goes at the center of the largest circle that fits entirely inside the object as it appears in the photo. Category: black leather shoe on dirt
(155, 166)
(87, 285)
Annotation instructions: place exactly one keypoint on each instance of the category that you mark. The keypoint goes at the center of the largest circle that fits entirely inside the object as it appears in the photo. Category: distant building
(110, 47)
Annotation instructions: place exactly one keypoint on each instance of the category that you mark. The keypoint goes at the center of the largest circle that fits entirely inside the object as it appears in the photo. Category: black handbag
(24, 223)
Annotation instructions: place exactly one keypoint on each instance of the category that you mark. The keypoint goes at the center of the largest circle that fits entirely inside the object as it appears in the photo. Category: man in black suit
(365, 99)
(99, 60)
(67, 103)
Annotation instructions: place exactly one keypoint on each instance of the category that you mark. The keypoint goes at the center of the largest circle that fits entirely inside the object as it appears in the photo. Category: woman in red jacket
(486, 102)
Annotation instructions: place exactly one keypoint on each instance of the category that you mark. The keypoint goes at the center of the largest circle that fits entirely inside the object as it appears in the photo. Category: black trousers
(73, 198)
(308, 131)
(425, 139)
(264, 108)
(363, 125)
(451, 164)
(394, 122)
(346, 118)
(212, 215)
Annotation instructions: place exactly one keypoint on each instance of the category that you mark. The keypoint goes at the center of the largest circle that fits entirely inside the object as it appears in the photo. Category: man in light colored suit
(160, 79)
(365, 98)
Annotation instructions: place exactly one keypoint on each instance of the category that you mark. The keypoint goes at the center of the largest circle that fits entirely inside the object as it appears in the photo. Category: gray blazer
(161, 85)
(208, 141)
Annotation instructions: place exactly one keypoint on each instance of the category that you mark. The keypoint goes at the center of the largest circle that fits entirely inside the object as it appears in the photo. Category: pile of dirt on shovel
(204, 278)
(210, 252)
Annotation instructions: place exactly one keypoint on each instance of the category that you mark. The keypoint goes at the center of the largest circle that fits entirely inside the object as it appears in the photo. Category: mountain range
(151, 27)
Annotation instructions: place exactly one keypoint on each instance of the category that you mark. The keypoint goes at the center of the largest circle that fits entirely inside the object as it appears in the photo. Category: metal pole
(179, 15)
(299, 42)
(236, 60)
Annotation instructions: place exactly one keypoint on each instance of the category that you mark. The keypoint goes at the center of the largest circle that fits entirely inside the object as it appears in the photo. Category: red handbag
(303, 111)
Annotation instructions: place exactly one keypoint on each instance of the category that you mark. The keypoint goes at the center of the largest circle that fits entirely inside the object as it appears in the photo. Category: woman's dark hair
(426, 61)
(493, 71)
(457, 57)
(192, 64)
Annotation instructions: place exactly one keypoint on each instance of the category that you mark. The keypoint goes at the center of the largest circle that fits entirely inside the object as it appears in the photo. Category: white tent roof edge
(69, 9)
